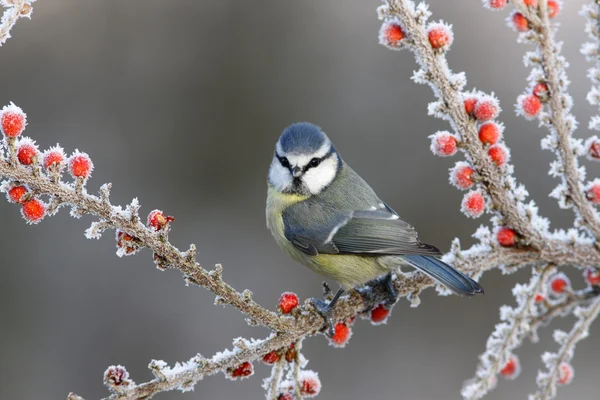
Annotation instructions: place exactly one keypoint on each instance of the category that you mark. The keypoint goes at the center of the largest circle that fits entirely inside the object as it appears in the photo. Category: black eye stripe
(318, 161)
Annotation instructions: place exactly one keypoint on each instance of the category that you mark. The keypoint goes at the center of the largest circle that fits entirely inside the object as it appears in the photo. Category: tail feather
(445, 274)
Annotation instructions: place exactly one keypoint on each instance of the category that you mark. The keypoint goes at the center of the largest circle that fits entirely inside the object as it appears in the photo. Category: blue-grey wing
(316, 229)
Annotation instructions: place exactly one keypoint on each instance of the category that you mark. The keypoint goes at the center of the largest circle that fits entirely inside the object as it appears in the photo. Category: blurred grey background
(179, 103)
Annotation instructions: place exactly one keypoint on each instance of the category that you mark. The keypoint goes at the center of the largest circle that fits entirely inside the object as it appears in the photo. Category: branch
(507, 336)
(561, 123)
(559, 370)
(15, 9)
(447, 87)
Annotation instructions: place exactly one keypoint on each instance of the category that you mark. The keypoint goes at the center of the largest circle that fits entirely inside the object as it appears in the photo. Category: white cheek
(317, 179)
(280, 177)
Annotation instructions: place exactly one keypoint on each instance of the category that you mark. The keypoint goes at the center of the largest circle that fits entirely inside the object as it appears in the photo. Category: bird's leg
(388, 285)
(370, 291)
(325, 309)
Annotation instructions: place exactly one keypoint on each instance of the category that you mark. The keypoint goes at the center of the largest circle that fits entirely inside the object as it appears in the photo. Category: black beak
(296, 172)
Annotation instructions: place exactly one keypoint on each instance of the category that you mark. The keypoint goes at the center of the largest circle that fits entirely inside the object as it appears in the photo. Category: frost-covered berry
(341, 335)
(592, 276)
(558, 284)
(126, 244)
(473, 204)
(443, 144)
(470, 103)
(461, 175)
(592, 146)
(553, 8)
(271, 358)
(12, 120)
(495, 4)
(310, 384)
(244, 370)
(540, 90)
(27, 151)
(440, 35)
(512, 368)
(506, 236)
(380, 314)
(519, 22)
(529, 105)
(54, 156)
(285, 396)
(565, 373)
(486, 109)
(80, 165)
(16, 193)
(391, 34)
(288, 301)
(593, 192)
(291, 353)
(489, 133)
(530, 3)
(116, 375)
(539, 298)
(498, 154)
(158, 220)
(33, 211)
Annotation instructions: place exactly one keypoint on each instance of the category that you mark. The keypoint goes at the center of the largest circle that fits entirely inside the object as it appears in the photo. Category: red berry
(539, 298)
(310, 384)
(506, 236)
(593, 192)
(439, 35)
(443, 144)
(287, 302)
(565, 373)
(53, 156)
(341, 335)
(285, 396)
(470, 103)
(116, 375)
(473, 204)
(520, 23)
(486, 109)
(26, 152)
(530, 3)
(593, 148)
(592, 276)
(540, 90)
(391, 35)
(461, 175)
(16, 193)
(489, 133)
(157, 220)
(498, 154)
(80, 165)
(271, 358)
(553, 8)
(559, 283)
(512, 368)
(33, 211)
(496, 4)
(530, 105)
(291, 353)
(243, 370)
(380, 314)
(13, 120)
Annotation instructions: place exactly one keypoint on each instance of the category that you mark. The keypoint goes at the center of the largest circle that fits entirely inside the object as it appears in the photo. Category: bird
(326, 217)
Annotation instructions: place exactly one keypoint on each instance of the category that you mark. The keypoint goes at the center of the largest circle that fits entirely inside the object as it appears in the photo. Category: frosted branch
(15, 9)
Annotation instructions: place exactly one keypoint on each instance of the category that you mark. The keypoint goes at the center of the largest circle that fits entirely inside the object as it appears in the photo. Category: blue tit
(326, 217)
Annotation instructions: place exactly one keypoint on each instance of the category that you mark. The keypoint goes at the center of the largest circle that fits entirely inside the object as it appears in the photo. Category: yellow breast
(277, 202)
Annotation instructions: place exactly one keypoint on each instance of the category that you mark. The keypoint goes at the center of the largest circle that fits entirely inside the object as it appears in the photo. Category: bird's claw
(372, 298)
(325, 310)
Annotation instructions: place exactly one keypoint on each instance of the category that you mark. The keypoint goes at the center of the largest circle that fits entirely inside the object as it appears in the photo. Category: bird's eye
(284, 162)
(314, 162)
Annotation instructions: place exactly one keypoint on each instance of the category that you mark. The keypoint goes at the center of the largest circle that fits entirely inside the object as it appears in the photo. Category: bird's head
(305, 162)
